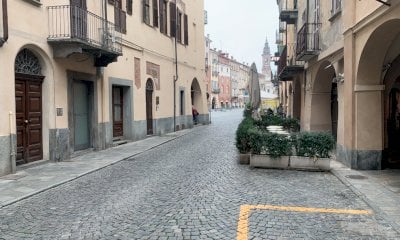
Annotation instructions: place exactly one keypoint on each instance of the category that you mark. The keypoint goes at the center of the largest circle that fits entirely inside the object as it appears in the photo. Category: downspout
(5, 23)
(176, 64)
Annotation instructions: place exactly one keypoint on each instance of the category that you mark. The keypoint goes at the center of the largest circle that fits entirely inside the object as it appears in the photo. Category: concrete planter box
(244, 158)
(266, 161)
(297, 162)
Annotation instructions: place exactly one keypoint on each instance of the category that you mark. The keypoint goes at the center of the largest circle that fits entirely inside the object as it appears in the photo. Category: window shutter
(179, 27)
(161, 10)
(129, 7)
(155, 13)
(123, 21)
(185, 29)
(172, 16)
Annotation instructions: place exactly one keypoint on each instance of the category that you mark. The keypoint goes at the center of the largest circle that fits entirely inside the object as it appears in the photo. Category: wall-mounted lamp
(339, 78)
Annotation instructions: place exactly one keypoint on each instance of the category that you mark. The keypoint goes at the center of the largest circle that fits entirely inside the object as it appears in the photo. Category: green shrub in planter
(273, 144)
(268, 120)
(291, 124)
(242, 136)
(313, 144)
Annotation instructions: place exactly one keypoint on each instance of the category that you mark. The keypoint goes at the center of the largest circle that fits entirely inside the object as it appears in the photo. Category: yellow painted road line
(243, 223)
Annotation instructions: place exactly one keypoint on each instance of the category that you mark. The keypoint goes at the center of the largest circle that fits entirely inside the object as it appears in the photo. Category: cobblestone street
(193, 188)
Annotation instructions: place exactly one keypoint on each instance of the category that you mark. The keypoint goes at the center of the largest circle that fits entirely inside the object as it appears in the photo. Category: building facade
(349, 83)
(81, 75)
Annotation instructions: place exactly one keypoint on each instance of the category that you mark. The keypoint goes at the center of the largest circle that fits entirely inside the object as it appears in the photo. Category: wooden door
(118, 111)
(149, 107)
(82, 116)
(78, 19)
(28, 101)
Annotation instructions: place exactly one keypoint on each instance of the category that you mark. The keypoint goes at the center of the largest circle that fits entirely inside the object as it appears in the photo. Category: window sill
(34, 2)
(335, 15)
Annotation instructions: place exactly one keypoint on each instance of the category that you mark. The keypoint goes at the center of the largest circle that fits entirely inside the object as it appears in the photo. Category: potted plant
(312, 150)
(243, 140)
(269, 150)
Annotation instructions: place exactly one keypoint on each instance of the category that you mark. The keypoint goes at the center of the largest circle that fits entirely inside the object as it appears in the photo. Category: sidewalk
(33, 180)
(380, 189)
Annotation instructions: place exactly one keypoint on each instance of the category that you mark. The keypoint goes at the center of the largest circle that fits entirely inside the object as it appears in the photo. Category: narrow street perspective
(194, 188)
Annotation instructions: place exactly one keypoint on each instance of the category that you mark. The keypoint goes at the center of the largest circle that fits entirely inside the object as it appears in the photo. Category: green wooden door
(81, 116)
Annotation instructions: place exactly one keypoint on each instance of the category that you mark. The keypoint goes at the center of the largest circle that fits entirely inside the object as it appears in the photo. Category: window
(163, 16)
(129, 7)
(179, 27)
(155, 13)
(336, 6)
(119, 17)
(172, 16)
(146, 11)
(185, 30)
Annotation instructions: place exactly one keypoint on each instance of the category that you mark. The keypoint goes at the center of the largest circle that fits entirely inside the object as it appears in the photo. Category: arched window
(27, 63)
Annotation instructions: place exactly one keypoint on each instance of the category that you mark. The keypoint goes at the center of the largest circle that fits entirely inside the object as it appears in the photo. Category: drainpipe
(176, 64)
(12, 144)
(5, 23)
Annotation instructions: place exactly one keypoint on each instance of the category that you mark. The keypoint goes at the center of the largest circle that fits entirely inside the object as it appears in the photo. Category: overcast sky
(241, 27)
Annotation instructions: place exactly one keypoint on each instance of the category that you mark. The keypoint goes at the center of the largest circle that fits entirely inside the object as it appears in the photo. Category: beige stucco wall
(30, 30)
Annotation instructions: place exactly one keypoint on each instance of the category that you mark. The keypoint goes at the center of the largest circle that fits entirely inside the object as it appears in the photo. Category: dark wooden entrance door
(28, 101)
(149, 106)
(118, 111)
(82, 115)
(78, 19)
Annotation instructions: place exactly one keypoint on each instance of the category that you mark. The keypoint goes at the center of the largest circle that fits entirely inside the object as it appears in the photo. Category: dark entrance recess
(118, 111)
(392, 153)
(149, 106)
(28, 101)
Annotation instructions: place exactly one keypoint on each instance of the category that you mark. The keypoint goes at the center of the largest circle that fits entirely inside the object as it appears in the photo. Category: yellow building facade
(349, 85)
(82, 75)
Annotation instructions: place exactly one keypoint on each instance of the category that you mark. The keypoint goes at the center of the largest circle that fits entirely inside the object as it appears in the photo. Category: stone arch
(321, 111)
(372, 58)
(374, 68)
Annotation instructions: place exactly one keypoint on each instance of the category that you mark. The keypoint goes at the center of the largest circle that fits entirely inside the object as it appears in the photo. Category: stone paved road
(192, 188)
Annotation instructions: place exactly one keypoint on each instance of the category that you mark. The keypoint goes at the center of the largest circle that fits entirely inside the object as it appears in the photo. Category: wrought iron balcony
(288, 66)
(308, 41)
(76, 30)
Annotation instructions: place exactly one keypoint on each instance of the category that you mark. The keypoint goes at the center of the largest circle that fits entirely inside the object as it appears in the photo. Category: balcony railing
(288, 66)
(288, 13)
(72, 24)
(308, 41)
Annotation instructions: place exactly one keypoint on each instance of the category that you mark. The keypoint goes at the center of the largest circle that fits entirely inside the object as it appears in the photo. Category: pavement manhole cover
(356, 177)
